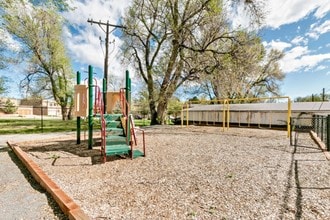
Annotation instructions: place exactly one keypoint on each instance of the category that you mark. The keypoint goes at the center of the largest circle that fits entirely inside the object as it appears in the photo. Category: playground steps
(116, 142)
(115, 139)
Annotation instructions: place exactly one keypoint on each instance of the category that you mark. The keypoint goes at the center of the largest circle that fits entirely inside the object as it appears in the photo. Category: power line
(106, 57)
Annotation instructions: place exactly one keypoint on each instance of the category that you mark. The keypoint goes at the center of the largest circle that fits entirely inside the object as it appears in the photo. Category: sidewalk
(21, 197)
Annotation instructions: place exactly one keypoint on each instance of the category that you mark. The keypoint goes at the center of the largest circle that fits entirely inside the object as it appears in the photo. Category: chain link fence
(320, 124)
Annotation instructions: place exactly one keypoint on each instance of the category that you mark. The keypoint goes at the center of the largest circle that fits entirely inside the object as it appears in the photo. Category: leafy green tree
(39, 30)
(141, 103)
(174, 107)
(248, 71)
(313, 98)
(9, 107)
(163, 39)
(194, 100)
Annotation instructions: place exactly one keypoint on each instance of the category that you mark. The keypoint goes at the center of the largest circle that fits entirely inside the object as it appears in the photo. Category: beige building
(33, 107)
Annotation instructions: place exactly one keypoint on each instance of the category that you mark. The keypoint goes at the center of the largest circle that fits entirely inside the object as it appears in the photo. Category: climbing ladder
(118, 133)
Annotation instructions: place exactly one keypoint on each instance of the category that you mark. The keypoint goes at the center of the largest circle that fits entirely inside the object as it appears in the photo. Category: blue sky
(303, 33)
(300, 28)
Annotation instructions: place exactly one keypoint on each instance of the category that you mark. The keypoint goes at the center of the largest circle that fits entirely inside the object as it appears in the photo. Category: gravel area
(194, 173)
(21, 197)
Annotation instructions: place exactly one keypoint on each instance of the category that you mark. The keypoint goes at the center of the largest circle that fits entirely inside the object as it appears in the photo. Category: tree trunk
(64, 112)
(152, 104)
(161, 111)
(153, 112)
(70, 113)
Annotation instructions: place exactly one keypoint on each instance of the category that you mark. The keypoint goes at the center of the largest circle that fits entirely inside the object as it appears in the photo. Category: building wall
(25, 110)
(34, 107)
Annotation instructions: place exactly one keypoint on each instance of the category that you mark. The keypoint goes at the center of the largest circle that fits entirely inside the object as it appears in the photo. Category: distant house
(44, 107)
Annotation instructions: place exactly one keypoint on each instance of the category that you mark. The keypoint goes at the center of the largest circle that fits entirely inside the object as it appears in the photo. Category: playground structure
(118, 132)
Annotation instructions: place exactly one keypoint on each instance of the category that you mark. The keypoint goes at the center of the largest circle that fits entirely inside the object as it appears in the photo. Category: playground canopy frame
(226, 109)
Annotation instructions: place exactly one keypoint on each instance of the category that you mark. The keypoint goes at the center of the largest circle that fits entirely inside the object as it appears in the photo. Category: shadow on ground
(69, 146)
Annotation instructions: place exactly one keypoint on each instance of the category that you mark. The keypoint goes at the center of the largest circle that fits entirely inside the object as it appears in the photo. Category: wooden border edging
(68, 206)
(320, 144)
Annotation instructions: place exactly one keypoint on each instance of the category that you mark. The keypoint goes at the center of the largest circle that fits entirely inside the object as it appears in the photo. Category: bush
(9, 107)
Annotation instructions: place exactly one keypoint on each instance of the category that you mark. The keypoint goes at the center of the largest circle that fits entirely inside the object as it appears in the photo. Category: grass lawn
(141, 122)
(30, 126)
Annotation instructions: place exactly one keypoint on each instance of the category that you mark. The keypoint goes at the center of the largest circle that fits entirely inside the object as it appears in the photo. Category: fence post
(322, 127)
(291, 129)
(328, 133)
(317, 125)
(42, 119)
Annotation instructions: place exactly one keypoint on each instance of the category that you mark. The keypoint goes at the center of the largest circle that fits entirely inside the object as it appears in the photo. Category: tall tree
(39, 30)
(164, 37)
(248, 71)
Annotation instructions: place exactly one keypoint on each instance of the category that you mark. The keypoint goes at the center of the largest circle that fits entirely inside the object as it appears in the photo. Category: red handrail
(98, 108)
(133, 134)
(129, 119)
(123, 102)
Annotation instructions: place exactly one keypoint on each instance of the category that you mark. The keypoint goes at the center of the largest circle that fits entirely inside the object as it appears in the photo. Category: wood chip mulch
(194, 172)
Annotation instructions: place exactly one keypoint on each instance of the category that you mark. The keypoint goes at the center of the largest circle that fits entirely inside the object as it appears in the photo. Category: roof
(295, 106)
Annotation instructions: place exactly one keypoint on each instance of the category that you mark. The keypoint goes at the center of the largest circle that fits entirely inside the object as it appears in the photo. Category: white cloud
(282, 12)
(300, 59)
(110, 10)
(299, 40)
(238, 16)
(317, 30)
(297, 52)
(322, 11)
(321, 67)
(84, 42)
(11, 44)
(279, 45)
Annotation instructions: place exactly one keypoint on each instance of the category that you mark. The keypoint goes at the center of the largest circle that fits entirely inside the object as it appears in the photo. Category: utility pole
(323, 94)
(106, 57)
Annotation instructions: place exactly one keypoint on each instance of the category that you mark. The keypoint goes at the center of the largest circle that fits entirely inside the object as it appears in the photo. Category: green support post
(128, 99)
(90, 107)
(78, 118)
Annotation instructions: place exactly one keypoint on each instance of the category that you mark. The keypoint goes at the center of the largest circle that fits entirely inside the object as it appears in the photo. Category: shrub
(9, 107)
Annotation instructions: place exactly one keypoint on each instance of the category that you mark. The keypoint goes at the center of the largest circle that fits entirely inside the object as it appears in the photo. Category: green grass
(141, 122)
(31, 126)
(146, 122)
